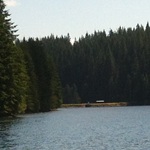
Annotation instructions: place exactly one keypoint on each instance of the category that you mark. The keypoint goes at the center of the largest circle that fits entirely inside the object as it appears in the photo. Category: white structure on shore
(99, 101)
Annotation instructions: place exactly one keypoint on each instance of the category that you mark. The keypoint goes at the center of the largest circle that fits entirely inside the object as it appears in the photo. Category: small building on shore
(100, 101)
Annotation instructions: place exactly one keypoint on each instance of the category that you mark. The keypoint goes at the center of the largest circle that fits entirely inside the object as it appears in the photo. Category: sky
(40, 18)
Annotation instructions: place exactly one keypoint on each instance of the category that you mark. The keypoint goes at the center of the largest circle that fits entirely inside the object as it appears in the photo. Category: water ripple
(104, 128)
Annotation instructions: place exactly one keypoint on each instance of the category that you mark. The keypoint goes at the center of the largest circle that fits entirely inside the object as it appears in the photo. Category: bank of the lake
(113, 104)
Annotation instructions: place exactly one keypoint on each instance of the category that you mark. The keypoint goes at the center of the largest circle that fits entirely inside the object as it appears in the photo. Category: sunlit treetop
(7, 28)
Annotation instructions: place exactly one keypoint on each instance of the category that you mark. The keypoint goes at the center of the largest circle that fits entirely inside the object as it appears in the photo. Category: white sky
(39, 18)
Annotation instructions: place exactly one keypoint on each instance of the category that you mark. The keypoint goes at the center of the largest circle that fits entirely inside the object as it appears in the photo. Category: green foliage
(112, 67)
(56, 91)
(13, 75)
(45, 86)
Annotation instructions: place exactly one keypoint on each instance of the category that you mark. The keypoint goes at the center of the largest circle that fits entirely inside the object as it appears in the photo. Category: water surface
(102, 128)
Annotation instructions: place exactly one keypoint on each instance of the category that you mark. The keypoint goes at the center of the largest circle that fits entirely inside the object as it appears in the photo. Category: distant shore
(113, 104)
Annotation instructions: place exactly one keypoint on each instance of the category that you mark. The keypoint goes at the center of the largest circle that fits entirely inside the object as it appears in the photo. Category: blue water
(102, 128)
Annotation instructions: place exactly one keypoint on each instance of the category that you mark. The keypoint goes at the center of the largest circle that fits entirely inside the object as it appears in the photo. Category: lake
(101, 128)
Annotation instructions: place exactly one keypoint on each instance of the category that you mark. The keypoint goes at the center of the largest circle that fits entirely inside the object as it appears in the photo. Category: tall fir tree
(13, 75)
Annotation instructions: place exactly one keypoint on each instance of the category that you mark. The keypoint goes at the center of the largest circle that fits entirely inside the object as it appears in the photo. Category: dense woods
(113, 67)
(40, 74)
(45, 86)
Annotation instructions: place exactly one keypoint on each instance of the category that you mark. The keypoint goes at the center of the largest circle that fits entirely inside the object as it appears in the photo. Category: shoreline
(113, 104)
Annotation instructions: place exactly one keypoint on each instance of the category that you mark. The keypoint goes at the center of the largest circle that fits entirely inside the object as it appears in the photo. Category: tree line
(114, 67)
(40, 74)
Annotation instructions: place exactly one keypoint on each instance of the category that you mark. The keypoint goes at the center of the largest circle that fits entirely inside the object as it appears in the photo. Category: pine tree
(13, 75)
(33, 104)
(55, 88)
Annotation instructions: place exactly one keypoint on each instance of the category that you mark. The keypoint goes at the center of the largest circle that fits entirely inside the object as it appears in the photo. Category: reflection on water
(103, 128)
(6, 138)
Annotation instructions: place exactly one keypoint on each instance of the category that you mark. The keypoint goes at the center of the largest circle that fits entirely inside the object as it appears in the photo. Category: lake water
(102, 128)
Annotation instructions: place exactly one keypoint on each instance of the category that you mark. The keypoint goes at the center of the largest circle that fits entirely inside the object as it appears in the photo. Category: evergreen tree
(13, 75)
(45, 86)
(55, 88)
(33, 104)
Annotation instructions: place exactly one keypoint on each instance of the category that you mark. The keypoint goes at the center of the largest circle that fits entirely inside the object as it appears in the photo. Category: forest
(113, 67)
(38, 75)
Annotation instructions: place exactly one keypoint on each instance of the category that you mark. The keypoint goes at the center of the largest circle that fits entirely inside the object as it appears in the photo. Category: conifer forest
(38, 75)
